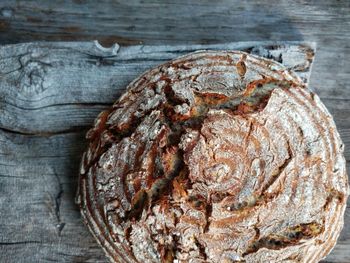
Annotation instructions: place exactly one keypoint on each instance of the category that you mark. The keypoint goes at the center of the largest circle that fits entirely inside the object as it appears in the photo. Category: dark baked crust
(215, 157)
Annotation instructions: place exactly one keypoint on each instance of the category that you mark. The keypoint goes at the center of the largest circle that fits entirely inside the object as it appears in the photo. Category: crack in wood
(26, 242)
(58, 198)
(78, 104)
(78, 129)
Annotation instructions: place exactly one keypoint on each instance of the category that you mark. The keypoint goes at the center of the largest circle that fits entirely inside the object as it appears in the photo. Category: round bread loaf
(215, 157)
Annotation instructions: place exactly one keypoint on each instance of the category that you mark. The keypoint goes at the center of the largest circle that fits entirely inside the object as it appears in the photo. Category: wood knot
(32, 78)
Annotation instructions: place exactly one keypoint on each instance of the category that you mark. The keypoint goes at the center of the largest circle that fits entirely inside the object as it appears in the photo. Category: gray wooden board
(50, 94)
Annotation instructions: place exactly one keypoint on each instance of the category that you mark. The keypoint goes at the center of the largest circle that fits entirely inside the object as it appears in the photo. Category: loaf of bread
(215, 157)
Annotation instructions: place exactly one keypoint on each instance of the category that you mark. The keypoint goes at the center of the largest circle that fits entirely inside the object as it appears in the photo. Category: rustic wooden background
(33, 228)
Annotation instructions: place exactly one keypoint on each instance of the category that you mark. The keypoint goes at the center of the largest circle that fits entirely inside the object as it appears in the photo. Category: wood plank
(132, 22)
(89, 78)
(49, 95)
(40, 188)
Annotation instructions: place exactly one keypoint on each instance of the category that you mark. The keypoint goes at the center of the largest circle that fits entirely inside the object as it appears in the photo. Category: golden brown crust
(215, 157)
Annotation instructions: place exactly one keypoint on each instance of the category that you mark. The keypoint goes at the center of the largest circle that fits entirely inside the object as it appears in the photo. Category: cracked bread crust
(215, 157)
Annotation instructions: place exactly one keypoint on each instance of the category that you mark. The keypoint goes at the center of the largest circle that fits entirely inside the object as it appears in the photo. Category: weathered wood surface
(49, 95)
(148, 22)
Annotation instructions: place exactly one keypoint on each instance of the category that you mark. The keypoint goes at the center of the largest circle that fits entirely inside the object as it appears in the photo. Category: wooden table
(34, 227)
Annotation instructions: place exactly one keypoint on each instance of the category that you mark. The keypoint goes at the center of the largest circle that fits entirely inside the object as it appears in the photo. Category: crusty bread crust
(215, 157)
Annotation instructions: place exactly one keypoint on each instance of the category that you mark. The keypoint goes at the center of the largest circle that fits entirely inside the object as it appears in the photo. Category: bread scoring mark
(289, 237)
(241, 67)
